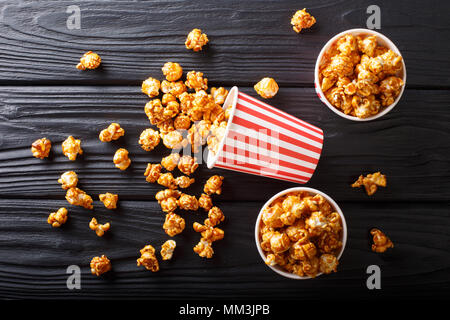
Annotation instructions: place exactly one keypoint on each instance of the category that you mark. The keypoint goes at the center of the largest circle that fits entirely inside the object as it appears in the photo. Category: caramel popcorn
(266, 88)
(167, 180)
(171, 161)
(209, 233)
(166, 98)
(196, 81)
(301, 234)
(184, 182)
(182, 122)
(58, 218)
(148, 259)
(149, 139)
(109, 200)
(187, 165)
(151, 87)
(196, 40)
(380, 241)
(121, 159)
(71, 148)
(152, 172)
(359, 77)
(302, 20)
(187, 202)
(213, 185)
(175, 88)
(215, 216)
(89, 60)
(174, 224)
(113, 132)
(69, 179)
(172, 71)
(216, 136)
(41, 148)
(205, 202)
(99, 229)
(371, 182)
(168, 199)
(166, 126)
(204, 249)
(100, 265)
(174, 140)
(219, 94)
(167, 249)
(155, 112)
(78, 197)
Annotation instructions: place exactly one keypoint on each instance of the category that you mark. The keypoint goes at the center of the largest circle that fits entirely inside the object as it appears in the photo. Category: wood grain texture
(34, 256)
(249, 40)
(410, 145)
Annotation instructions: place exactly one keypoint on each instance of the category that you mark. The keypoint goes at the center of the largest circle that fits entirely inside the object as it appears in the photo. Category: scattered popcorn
(188, 202)
(149, 139)
(171, 161)
(302, 20)
(328, 263)
(113, 132)
(184, 182)
(100, 265)
(152, 172)
(167, 180)
(187, 165)
(174, 140)
(172, 71)
(151, 87)
(371, 182)
(78, 197)
(148, 259)
(196, 81)
(89, 60)
(380, 241)
(219, 94)
(204, 249)
(175, 88)
(213, 185)
(167, 249)
(41, 148)
(69, 179)
(266, 88)
(121, 159)
(99, 229)
(109, 200)
(168, 199)
(205, 202)
(71, 148)
(182, 122)
(57, 219)
(196, 40)
(215, 216)
(174, 224)
(155, 112)
(166, 98)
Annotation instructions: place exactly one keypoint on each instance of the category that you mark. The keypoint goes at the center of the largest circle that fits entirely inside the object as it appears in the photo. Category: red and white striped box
(265, 141)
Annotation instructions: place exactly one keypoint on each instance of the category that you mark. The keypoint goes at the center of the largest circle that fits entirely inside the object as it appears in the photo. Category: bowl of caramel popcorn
(301, 233)
(360, 75)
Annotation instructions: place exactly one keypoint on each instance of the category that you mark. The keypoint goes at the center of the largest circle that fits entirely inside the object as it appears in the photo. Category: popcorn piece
(195, 80)
(371, 182)
(328, 263)
(167, 249)
(182, 122)
(213, 185)
(303, 251)
(174, 224)
(109, 200)
(219, 94)
(204, 249)
(168, 199)
(152, 172)
(89, 60)
(148, 259)
(184, 182)
(113, 132)
(78, 197)
(41, 148)
(100, 265)
(69, 179)
(99, 229)
(266, 88)
(172, 71)
(174, 140)
(166, 98)
(380, 241)
(166, 126)
(188, 202)
(155, 112)
(187, 165)
(302, 20)
(209, 233)
(57, 219)
(171, 161)
(121, 159)
(215, 216)
(71, 148)
(279, 242)
(205, 202)
(151, 87)
(149, 139)
(196, 40)
(174, 88)
(167, 180)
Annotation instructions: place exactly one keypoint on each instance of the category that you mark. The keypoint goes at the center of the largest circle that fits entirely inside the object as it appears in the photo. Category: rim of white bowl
(384, 41)
(277, 269)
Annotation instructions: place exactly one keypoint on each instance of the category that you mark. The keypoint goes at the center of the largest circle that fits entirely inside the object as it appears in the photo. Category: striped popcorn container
(265, 141)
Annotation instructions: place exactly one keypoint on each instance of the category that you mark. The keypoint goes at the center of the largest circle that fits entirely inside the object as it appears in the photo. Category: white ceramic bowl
(278, 269)
(382, 40)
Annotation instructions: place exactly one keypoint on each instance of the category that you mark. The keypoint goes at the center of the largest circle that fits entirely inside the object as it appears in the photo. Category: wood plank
(249, 40)
(410, 145)
(34, 256)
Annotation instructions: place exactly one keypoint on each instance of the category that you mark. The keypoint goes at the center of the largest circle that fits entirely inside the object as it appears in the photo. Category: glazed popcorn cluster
(371, 182)
(302, 20)
(380, 241)
(360, 77)
(302, 234)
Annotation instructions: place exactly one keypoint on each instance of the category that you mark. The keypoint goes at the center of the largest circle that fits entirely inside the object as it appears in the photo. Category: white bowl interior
(277, 269)
(382, 40)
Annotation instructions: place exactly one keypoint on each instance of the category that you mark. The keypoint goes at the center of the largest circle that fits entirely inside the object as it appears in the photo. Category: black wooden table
(42, 94)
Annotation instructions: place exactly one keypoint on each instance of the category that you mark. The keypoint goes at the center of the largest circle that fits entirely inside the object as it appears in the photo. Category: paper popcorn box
(265, 141)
